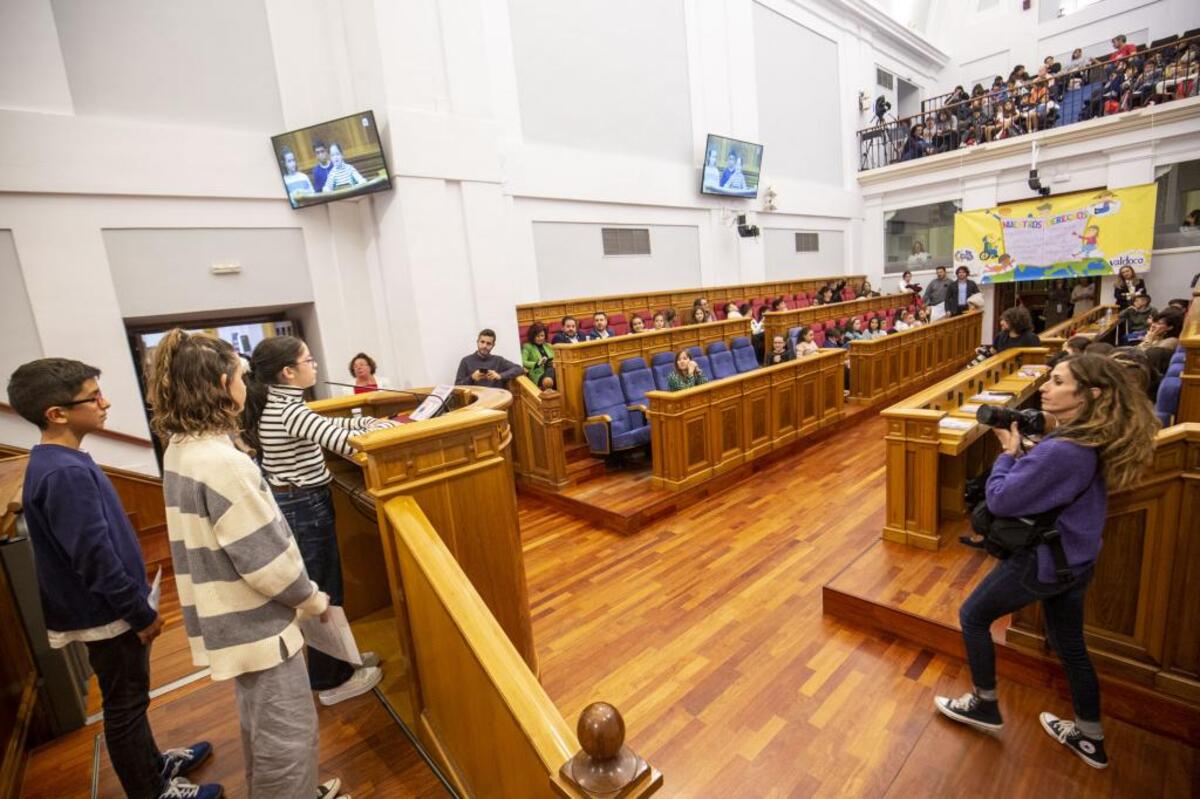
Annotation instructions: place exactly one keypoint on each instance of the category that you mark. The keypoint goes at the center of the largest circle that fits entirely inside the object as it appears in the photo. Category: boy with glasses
(91, 573)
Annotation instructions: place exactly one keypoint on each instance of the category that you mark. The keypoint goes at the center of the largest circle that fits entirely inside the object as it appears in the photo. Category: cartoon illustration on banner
(1072, 235)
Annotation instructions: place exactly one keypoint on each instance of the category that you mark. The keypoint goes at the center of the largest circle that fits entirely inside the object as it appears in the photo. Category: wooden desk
(1189, 395)
(701, 433)
(891, 366)
(928, 463)
(1095, 324)
(778, 323)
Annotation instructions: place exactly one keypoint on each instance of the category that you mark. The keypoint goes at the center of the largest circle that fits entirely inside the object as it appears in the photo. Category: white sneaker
(329, 789)
(368, 659)
(362, 681)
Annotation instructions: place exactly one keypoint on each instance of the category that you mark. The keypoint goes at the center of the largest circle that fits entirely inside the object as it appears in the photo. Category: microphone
(421, 396)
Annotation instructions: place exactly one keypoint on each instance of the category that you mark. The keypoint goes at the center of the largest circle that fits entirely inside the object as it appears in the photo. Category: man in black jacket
(962, 288)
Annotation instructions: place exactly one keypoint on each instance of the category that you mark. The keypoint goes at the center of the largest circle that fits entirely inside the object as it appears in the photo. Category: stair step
(577, 452)
(583, 470)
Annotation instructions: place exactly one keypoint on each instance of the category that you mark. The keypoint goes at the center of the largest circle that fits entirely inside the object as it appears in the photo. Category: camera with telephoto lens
(1029, 422)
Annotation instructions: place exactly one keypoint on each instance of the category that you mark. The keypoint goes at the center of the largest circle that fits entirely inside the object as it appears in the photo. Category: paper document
(155, 590)
(992, 396)
(968, 407)
(333, 637)
(951, 423)
(435, 402)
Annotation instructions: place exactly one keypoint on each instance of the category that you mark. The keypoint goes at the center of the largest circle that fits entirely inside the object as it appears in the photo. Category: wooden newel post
(605, 767)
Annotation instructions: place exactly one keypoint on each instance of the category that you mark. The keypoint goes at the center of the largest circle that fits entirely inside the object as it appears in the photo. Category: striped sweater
(241, 581)
(291, 437)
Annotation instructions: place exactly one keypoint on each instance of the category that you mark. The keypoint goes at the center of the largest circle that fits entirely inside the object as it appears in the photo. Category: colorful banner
(1071, 235)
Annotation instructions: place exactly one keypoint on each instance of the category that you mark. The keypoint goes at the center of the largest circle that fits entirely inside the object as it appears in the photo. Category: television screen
(332, 160)
(731, 167)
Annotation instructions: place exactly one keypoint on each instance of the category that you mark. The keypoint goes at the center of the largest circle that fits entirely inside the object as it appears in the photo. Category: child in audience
(637, 324)
(1077, 344)
(289, 438)
(924, 316)
(854, 330)
(90, 572)
(686, 374)
(806, 345)
(874, 329)
(780, 351)
(660, 320)
(732, 311)
(1136, 318)
(780, 304)
(907, 320)
(242, 582)
(833, 338)
(699, 317)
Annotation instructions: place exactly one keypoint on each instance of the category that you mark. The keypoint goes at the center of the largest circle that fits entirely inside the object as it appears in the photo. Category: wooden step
(577, 452)
(585, 469)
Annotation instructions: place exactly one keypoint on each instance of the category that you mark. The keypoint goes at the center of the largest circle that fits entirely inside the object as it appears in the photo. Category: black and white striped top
(291, 438)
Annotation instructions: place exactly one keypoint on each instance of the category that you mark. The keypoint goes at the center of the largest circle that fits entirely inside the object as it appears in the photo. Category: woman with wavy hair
(1102, 439)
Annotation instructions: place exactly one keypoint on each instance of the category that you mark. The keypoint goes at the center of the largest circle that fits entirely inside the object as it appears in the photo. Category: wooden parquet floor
(706, 631)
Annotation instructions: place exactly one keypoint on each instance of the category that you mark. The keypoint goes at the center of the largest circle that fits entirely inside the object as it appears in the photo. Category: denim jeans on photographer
(309, 512)
(1012, 585)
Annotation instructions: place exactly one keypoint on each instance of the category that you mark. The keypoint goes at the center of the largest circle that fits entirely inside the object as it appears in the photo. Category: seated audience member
(686, 374)
(702, 303)
(482, 368)
(865, 290)
(834, 339)
(1136, 367)
(600, 327)
(1016, 330)
(907, 284)
(732, 311)
(570, 332)
(1136, 319)
(806, 345)
(874, 329)
(854, 330)
(538, 357)
(637, 324)
(906, 320)
(824, 296)
(924, 316)
(1179, 303)
(745, 310)
(1121, 48)
(938, 288)
(780, 351)
(917, 145)
(660, 320)
(362, 369)
(1165, 329)
(1100, 348)
(670, 317)
(699, 317)
(1075, 345)
(961, 290)
(90, 571)
(779, 304)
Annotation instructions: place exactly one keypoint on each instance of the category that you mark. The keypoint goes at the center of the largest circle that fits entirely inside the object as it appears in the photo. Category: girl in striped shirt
(289, 438)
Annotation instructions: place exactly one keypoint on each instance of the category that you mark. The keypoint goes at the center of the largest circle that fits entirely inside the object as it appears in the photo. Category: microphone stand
(441, 400)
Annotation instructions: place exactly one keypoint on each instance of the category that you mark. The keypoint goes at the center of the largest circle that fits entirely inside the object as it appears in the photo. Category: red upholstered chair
(817, 327)
(819, 338)
(719, 311)
(803, 302)
(842, 323)
(522, 331)
(617, 323)
(551, 329)
(585, 324)
(869, 315)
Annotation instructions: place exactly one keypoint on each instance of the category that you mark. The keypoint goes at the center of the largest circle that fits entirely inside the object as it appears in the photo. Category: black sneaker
(1090, 750)
(971, 709)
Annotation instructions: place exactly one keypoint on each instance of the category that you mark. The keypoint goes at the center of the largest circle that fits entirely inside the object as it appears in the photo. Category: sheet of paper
(968, 407)
(155, 590)
(333, 637)
(993, 396)
(951, 423)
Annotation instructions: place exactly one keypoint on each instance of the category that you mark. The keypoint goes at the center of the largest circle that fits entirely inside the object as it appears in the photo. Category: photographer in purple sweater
(1103, 438)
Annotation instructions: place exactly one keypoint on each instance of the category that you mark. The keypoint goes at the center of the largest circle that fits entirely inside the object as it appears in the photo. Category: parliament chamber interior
(754, 398)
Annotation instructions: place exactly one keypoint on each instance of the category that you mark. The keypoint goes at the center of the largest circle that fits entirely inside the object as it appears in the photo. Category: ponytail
(270, 357)
(184, 387)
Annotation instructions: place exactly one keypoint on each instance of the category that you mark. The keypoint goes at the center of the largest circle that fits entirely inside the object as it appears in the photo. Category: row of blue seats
(1167, 404)
(617, 403)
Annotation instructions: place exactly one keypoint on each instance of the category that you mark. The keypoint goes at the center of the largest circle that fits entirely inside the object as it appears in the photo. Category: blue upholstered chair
(722, 361)
(662, 364)
(636, 380)
(743, 355)
(701, 360)
(1168, 399)
(610, 425)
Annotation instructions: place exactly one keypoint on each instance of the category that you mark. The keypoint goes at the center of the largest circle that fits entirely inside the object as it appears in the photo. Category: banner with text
(1070, 235)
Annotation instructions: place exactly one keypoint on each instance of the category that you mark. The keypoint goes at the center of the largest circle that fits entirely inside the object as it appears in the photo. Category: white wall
(17, 330)
(571, 261)
(784, 263)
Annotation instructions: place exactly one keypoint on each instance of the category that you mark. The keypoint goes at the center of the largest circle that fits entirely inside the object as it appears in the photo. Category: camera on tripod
(882, 106)
(1030, 422)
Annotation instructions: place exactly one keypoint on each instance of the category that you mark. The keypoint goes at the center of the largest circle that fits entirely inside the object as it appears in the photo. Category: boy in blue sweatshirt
(91, 575)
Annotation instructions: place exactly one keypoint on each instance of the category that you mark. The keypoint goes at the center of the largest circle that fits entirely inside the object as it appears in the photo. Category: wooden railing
(893, 365)
(679, 299)
(928, 463)
(778, 323)
(701, 433)
(18, 673)
(1143, 606)
(1096, 323)
(538, 423)
(1189, 395)
(572, 360)
(481, 710)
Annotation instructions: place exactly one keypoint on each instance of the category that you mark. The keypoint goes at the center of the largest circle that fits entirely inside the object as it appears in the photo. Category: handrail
(779, 322)
(112, 434)
(1055, 337)
(891, 364)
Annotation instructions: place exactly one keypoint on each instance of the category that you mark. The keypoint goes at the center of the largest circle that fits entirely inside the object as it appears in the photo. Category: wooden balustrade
(1189, 395)
(480, 709)
(778, 323)
(679, 299)
(929, 462)
(538, 424)
(572, 360)
(701, 433)
(1096, 324)
(1143, 607)
(893, 365)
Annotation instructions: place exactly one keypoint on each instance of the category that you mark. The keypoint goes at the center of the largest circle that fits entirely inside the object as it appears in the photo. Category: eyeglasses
(311, 361)
(96, 398)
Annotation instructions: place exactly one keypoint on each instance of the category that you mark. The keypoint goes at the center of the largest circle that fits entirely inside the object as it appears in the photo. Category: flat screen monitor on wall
(332, 161)
(731, 167)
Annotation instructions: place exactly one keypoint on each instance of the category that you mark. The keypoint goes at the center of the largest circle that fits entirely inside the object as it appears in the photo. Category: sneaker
(179, 788)
(329, 789)
(971, 709)
(1090, 750)
(178, 762)
(363, 680)
(369, 659)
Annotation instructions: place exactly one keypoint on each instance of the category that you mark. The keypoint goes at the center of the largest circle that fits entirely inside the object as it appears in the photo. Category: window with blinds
(808, 242)
(625, 240)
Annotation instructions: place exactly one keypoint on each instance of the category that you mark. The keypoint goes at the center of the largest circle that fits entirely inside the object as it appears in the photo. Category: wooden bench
(778, 323)
(701, 433)
(887, 367)
(929, 462)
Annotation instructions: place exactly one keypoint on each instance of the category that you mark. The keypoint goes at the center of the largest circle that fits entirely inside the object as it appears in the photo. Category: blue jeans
(1012, 585)
(309, 512)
